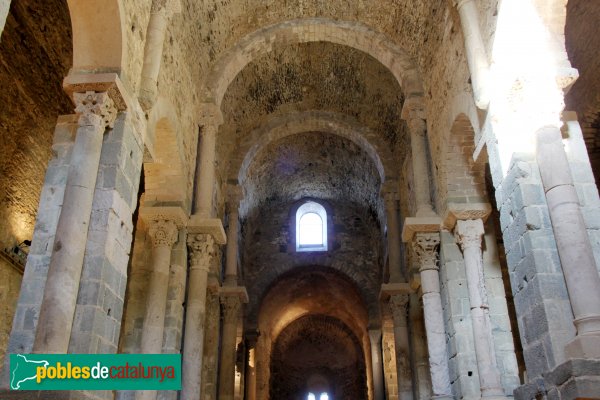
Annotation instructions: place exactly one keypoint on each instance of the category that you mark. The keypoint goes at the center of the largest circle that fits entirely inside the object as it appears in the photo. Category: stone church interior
(306, 199)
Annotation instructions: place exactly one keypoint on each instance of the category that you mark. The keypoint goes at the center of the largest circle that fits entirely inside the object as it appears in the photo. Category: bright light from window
(311, 227)
(324, 396)
(311, 230)
(311, 397)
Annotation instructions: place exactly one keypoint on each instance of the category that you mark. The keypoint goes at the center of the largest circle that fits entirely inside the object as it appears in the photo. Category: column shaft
(206, 180)
(201, 250)
(476, 54)
(574, 247)
(377, 359)
(419, 348)
(469, 236)
(425, 246)
(163, 234)
(232, 248)
(418, 143)
(62, 283)
(393, 238)
(231, 306)
(401, 340)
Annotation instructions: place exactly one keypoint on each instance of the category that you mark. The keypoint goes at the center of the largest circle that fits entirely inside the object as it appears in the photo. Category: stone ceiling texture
(583, 43)
(312, 164)
(312, 76)
(35, 56)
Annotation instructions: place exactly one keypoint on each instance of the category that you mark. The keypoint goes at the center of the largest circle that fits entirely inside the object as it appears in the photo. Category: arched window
(311, 227)
(311, 396)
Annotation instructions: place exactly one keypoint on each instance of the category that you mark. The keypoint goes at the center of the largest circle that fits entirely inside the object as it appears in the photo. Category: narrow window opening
(311, 227)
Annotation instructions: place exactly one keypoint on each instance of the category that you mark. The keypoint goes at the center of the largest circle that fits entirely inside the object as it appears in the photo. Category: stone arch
(352, 34)
(319, 121)
(465, 177)
(303, 292)
(164, 172)
(98, 35)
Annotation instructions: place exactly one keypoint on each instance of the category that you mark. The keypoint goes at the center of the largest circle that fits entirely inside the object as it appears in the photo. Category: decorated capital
(95, 109)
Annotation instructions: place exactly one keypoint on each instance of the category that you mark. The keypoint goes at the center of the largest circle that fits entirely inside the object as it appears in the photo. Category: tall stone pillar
(398, 303)
(393, 233)
(163, 227)
(425, 247)
(232, 298)
(202, 249)
(377, 363)
(212, 329)
(233, 204)
(419, 347)
(203, 202)
(476, 53)
(468, 234)
(97, 113)
(160, 13)
(413, 112)
(574, 247)
(250, 388)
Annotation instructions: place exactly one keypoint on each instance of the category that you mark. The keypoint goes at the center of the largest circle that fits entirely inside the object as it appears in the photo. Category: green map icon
(23, 369)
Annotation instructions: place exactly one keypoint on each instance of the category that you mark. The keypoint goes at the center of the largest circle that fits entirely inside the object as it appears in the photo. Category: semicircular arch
(98, 35)
(318, 121)
(352, 34)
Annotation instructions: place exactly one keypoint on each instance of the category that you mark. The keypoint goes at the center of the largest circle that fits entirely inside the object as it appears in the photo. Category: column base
(584, 346)
(574, 379)
(442, 397)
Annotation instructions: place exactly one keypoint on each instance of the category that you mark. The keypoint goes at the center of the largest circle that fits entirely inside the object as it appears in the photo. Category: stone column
(398, 303)
(231, 302)
(251, 339)
(421, 367)
(574, 247)
(393, 235)
(160, 13)
(376, 360)
(476, 54)
(233, 204)
(202, 249)
(468, 234)
(425, 247)
(163, 233)
(97, 112)
(203, 202)
(413, 112)
(212, 329)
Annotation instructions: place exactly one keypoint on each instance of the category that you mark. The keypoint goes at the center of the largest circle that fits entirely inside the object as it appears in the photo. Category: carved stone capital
(163, 232)
(425, 246)
(414, 225)
(202, 248)
(464, 211)
(95, 109)
(468, 233)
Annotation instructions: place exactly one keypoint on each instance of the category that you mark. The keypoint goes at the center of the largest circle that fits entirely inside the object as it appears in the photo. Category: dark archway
(317, 354)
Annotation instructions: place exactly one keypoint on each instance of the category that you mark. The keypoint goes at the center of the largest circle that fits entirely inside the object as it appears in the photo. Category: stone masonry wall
(543, 309)
(269, 250)
(34, 278)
